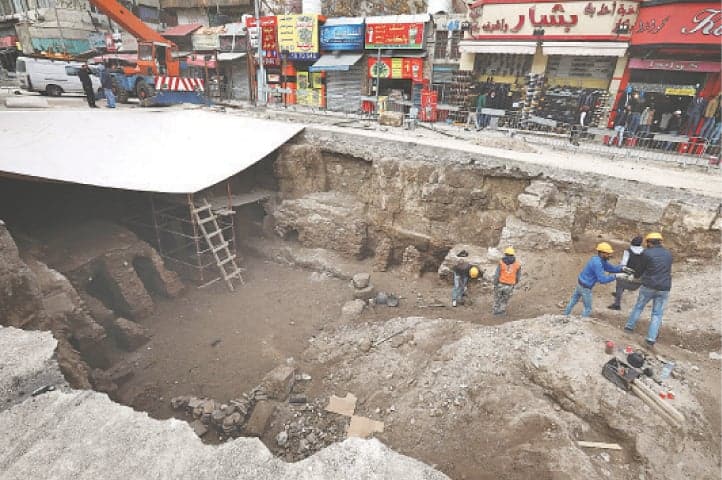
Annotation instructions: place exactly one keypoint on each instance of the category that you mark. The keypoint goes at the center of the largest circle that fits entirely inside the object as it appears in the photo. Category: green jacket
(481, 101)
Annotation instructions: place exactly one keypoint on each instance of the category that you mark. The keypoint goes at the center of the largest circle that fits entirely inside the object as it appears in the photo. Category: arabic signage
(569, 19)
(682, 92)
(298, 35)
(395, 35)
(698, 23)
(269, 30)
(342, 37)
(673, 65)
(396, 68)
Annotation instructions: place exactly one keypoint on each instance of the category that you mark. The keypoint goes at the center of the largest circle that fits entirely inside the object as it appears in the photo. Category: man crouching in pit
(462, 273)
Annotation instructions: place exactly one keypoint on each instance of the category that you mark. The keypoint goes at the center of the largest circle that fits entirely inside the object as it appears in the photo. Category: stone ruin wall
(433, 198)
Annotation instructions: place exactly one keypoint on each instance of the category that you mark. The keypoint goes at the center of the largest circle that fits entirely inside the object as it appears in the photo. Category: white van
(51, 77)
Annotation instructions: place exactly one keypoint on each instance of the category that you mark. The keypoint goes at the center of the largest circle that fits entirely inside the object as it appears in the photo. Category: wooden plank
(606, 446)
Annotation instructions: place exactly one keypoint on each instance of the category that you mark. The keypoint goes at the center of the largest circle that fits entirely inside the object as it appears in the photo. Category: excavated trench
(230, 362)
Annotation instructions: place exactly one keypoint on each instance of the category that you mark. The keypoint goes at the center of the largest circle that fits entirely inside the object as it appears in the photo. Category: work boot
(649, 345)
(614, 306)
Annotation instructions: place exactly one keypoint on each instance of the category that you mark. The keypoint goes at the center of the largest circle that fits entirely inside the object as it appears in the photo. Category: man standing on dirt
(631, 259)
(593, 273)
(462, 273)
(507, 275)
(84, 76)
(656, 274)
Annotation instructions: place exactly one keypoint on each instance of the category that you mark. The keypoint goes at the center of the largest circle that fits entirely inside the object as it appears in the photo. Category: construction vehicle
(155, 79)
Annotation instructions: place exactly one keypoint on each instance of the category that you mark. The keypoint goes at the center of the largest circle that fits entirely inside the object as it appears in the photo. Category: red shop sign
(690, 23)
(394, 68)
(8, 41)
(674, 65)
(394, 35)
(269, 29)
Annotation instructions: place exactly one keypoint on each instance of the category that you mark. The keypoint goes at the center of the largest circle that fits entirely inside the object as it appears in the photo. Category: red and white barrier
(179, 84)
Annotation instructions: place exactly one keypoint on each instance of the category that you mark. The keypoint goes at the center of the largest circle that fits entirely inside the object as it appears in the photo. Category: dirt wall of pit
(350, 192)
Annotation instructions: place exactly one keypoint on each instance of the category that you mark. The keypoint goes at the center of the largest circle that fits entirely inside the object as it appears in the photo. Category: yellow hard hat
(653, 236)
(474, 272)
(604, 247)
(509, 251)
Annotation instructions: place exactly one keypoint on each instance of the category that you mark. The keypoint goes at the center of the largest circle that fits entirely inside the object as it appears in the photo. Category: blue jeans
(109, 97)
(707, 128)
(460, 282)
(659, 301)
(586, 295)
(634, 122)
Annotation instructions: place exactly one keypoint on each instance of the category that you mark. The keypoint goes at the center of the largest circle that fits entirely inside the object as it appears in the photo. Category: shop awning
(230, 56)
(198, 60)
(336, 21)
(181, 30)
(335, 62)
(473, 46)
(585, 49)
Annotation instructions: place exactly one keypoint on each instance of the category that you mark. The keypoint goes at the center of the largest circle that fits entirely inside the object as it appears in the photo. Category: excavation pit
(475, 395)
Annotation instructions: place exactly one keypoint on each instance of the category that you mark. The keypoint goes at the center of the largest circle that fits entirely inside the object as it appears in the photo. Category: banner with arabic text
(675, 23)
(587, 20)
(298, 35)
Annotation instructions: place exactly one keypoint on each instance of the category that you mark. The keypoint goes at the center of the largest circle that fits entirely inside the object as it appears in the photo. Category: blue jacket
(593, 272)
(656, 268)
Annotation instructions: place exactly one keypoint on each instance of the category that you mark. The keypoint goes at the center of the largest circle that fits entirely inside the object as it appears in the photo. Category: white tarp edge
(474, 46)
(171, 151)
(587, 49)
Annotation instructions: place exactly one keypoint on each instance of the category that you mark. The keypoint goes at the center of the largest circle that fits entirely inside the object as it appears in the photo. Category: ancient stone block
(391, 119)
(278, 382)
(353, 309)
(533, 209)
(411, 261)
(640, 210)
(694, 219)
(382, 255)
(260, 418)
(300, 170)
(324, 220)
(533, 237)
(364, 293)
(361, 280)
(129, 334)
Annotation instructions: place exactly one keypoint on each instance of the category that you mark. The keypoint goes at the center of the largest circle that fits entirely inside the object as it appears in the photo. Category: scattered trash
(715, 356)
(609, 347)
(392, 301)
(363, 427)
(606, 446)
(666, 370)
(342, 406)
(215, 342)
(43, 389)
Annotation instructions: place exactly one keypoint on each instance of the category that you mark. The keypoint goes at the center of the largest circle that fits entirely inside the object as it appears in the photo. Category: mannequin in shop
(694, 112)
(620, 124)
(711, 116)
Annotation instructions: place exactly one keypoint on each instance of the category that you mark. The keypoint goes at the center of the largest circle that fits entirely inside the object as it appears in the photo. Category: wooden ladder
(208, 223)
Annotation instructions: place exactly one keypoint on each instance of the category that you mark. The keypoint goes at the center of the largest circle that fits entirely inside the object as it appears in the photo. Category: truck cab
(156, 58)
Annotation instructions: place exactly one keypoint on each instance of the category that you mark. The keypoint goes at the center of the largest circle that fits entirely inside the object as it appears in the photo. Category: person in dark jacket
(462, 273)
(620, 123)
(655, 271)
(106, 81)
(631, 259)
(593, 273)
(84, 76)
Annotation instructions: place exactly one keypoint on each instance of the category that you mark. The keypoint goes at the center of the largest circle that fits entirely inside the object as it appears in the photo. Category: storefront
(445, 55)
(342, 44)
(233, 63)
(270, 56)
(675, 58)
(548, 59)
(395, 47)
(299, 47)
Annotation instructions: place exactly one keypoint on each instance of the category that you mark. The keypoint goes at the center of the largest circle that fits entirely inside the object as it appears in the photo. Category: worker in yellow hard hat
(462, 273)
(507, 275)
(655, 273)
(595, 271)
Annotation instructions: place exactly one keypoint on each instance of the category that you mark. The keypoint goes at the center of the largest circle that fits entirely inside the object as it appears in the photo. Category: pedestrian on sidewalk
(462, 273)
(84, 76)
(655, 271)
(620, 123)
(106, 81)
(593, 273)
(631, 259)
(506, 277)
(480, 117)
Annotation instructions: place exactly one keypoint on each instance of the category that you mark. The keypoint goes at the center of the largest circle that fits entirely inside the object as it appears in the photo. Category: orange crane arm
(129, 22)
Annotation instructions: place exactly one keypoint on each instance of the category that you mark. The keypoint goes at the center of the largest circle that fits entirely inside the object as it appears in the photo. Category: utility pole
(261, 70)
(378, 78)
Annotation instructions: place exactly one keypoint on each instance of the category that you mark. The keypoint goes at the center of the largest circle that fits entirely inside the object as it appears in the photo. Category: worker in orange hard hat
(595, 271)
(655, 272)
(507, 275)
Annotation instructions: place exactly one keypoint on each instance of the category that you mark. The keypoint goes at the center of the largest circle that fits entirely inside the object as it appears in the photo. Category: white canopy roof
(492, 46)
(589, 49)
(418, 18)
(168, 151)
